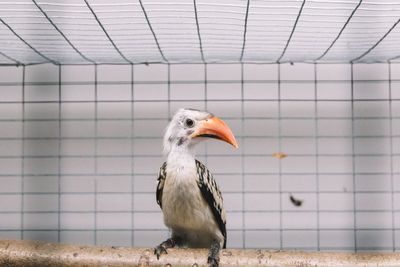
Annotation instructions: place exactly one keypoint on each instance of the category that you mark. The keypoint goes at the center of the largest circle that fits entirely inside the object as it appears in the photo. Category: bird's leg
(213, 254)
(162, 248)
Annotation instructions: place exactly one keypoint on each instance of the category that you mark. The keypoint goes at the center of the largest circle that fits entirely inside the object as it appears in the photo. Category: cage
(311, 89)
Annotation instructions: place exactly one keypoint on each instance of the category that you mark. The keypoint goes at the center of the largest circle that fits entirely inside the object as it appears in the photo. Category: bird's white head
(189, 126)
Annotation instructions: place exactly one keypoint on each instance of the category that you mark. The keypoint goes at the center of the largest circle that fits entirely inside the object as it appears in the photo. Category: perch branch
(31, 253)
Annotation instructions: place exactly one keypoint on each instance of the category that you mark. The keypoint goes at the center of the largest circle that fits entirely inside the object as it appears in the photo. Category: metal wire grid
(198, 31)
(80, 147)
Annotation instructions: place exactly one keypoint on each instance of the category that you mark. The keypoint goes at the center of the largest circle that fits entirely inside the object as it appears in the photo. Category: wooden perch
(31, 253)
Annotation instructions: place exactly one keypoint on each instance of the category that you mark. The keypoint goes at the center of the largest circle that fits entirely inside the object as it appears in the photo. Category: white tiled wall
(80, 148)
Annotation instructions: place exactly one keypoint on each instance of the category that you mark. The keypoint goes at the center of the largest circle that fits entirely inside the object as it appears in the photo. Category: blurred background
(311, 89)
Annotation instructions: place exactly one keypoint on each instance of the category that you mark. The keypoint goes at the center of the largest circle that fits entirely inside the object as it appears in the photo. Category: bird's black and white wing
(162, 175)
(211, 193)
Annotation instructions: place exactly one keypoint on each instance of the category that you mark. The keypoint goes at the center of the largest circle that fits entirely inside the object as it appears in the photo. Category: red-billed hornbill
(186, 192)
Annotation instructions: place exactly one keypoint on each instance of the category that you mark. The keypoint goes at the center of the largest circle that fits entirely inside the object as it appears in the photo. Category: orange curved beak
(215, 128)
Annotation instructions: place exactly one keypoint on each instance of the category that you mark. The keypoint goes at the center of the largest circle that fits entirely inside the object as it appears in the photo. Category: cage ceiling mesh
(198, 31)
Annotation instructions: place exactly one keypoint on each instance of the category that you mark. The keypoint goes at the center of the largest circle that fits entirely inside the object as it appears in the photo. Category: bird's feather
(213, 196)
(162, 175)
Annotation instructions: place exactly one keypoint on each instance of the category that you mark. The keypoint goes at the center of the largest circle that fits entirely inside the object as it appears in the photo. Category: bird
(187, 193)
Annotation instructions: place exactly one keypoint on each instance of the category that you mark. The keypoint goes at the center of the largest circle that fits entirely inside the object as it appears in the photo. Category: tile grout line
(59, 152)
(23, 154)
(317, 151)
(353, 160)
(279, 161)
(95, 149)
(132, 155)
(391, 157)
(242, 155)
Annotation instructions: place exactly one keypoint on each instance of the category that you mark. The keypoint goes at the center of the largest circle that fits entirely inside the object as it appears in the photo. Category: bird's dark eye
(189, 123)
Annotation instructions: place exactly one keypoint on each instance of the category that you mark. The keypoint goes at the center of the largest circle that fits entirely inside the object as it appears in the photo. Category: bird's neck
(181, 156)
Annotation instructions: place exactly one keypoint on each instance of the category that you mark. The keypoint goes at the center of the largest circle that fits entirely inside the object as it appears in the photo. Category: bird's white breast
(186, 212)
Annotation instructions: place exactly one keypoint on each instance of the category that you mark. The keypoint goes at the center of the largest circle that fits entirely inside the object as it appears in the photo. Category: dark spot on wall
(296, 202)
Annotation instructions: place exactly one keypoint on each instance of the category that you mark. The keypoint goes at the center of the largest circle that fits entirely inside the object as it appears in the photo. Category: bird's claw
(160, 249)
(213, 261)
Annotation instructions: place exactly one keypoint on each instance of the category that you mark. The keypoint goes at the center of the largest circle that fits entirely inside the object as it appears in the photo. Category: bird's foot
(213, 261)
(162, 248)
(213, 254)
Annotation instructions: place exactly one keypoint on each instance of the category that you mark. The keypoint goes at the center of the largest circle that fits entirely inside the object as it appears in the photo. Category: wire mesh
(198, 31)
(80, 147)
(80, 139)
